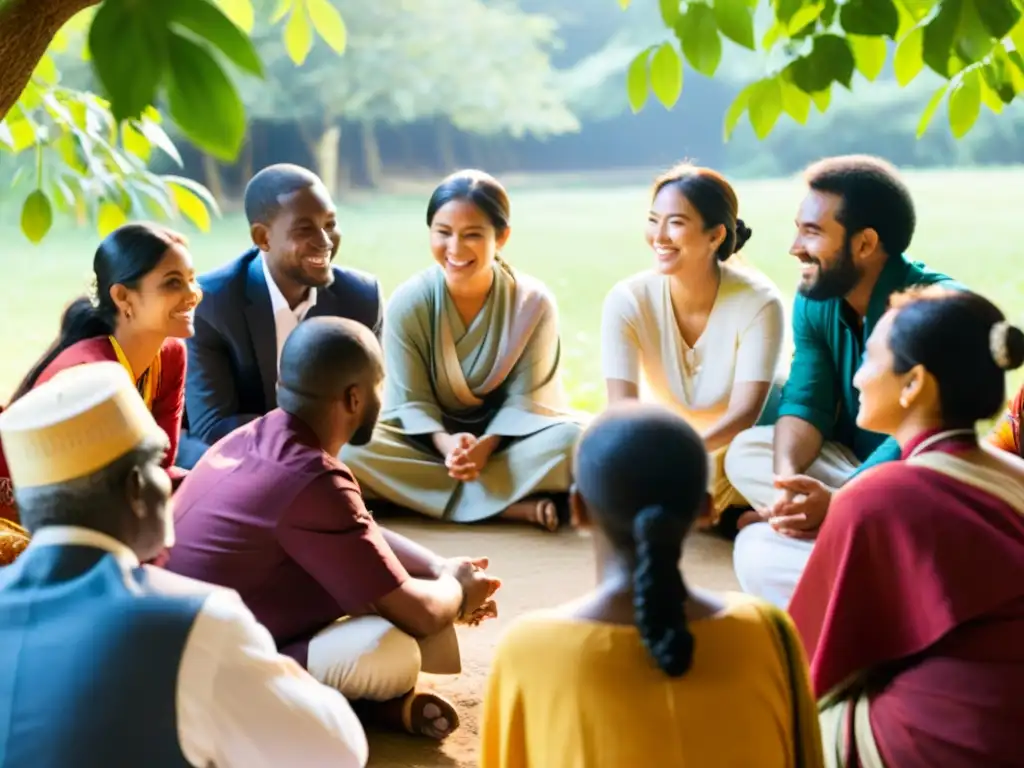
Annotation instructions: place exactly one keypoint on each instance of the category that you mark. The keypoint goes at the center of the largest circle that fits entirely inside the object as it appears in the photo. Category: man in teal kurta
(853, 227)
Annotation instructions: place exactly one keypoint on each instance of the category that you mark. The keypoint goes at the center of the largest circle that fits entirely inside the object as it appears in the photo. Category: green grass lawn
(579, 239)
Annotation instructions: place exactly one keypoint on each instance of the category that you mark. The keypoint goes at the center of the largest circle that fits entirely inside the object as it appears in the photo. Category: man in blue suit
(251, 304)
(106, 662)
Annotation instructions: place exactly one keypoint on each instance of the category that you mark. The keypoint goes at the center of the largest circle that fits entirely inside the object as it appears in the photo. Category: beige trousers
(768, 564)
(368, 657)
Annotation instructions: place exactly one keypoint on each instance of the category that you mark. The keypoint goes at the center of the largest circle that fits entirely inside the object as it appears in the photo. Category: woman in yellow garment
(641, 671)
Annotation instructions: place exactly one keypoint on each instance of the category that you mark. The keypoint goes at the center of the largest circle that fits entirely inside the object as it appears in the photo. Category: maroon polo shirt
(268, 513)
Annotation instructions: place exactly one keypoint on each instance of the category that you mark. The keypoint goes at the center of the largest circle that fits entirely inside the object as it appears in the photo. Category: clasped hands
(477, 588)
(800, 508)
(466, 455)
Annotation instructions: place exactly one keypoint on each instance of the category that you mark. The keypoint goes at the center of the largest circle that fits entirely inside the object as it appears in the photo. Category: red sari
(168, 399)
(912, 611)
(1006, 434)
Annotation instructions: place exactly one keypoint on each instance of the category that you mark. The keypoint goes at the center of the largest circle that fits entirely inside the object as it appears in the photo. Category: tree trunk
(27, 28)
(371, 156)
(214, 181)
(328, 147)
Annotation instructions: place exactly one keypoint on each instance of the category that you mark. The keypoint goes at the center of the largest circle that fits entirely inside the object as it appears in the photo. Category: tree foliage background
(119, 109)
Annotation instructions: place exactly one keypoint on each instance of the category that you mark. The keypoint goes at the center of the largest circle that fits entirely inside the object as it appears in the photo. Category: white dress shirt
(239, 702)
(285, 318)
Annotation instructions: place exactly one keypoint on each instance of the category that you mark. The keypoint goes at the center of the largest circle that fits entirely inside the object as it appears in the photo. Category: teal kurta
(498, 376)
(828, 349)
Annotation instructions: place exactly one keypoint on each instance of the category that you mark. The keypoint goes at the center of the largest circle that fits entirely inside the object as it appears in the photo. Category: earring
(903, 403)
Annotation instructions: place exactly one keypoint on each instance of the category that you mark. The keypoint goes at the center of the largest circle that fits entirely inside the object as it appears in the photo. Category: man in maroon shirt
(271, 512)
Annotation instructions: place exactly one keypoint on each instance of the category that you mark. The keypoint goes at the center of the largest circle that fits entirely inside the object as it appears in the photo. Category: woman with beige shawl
(474, 422)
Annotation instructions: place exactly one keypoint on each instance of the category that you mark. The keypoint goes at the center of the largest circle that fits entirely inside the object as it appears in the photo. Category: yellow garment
(723, 495)
(568, 693)
(150, 379)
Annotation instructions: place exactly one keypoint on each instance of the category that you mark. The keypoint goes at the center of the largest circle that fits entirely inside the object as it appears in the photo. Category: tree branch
(27, 28)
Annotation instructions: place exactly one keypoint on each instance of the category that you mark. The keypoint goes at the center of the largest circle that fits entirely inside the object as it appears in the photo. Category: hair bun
(743, 233)
(1006, 343)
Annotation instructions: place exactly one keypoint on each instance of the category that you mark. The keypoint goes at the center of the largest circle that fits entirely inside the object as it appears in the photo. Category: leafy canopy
(92, 152)
(975, 46)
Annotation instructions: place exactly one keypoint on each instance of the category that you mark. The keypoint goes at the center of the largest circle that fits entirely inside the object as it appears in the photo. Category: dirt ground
(538, 570)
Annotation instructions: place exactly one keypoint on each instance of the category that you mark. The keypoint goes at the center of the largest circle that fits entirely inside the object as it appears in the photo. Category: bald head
(267, 189)
(331, 368)
(324, 356)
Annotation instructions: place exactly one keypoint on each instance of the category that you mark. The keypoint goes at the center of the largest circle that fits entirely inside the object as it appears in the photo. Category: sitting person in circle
(643, 671)
(270, 512)
(912, 603)
(145, 302)
(474, 423)
(854, 227)
(109, 663)
(703, 333)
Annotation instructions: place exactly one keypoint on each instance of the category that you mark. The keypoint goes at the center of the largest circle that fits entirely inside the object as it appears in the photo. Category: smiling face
(676, 232)
(303, 238)
(164, 300)
(464, 243)
(827, 266)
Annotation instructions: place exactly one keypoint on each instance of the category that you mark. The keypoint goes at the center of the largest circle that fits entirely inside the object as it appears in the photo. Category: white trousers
(768, 564)
(368, 657)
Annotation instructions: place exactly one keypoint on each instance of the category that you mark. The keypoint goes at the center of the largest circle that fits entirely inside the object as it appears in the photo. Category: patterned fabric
(13, 540)
(1006, 434)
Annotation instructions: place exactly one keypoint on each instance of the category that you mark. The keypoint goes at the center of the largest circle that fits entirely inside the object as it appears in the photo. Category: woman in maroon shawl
(912, 603)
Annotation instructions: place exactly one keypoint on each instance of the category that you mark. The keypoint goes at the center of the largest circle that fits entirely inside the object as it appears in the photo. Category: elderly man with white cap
(104, 662)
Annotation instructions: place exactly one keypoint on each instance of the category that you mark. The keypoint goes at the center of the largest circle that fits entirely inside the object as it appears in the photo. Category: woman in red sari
(912, 603)
(146, 295)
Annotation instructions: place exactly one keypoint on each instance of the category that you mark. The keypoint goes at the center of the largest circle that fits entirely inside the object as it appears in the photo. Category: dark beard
(836, 281)
(364, 433)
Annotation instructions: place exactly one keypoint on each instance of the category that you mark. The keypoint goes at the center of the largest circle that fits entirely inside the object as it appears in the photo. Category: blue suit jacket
(232, 359)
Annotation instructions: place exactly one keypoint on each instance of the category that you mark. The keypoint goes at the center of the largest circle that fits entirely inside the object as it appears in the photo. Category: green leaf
(669, 12)
(328, 24)
(298, 34)
(5, 135)
(965, 103)
(907, 63)
(990, 97)
(46, 71)
(822, 99)
(735, 111)
(870, 18)
(636, 81)
(785, 9)
(283, 8)
(869, 54)
(195, 188)
(998, 16)
(666, 75)
(191, 206)
(938, 35)
(765, 106)
(209, 22)
(829, 61)
(109, 218)
(157, 137)
(804, 18)
(1017, 36)
(135, 141)
(929, 110)
(973, 41)
(795, 102)
(736, 20)
(240, 12)
(203, 101)
(697, 31)
(128, 43)
(624, 4)
(36, 216)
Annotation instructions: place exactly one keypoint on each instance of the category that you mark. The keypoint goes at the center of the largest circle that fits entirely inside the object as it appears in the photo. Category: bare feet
(748, 518)
(540, 511)
(426, 714)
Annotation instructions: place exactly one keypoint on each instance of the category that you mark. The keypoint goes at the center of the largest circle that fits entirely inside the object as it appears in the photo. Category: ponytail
(659, 594)
(81, 320)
